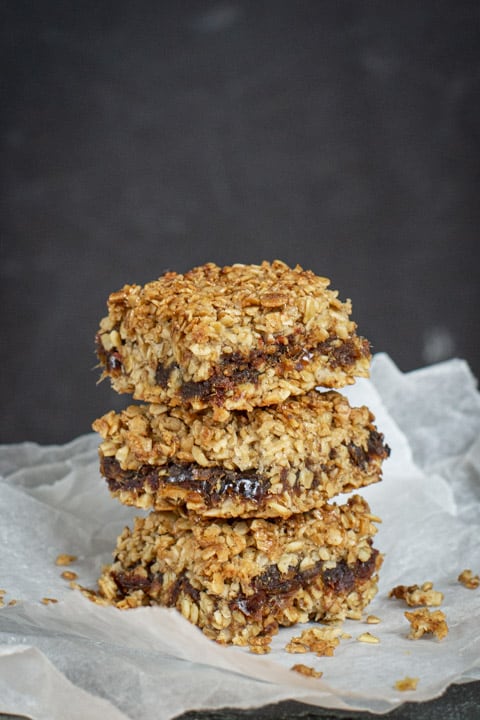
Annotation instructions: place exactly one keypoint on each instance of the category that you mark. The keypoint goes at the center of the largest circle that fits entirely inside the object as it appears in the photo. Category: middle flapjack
(268, 462)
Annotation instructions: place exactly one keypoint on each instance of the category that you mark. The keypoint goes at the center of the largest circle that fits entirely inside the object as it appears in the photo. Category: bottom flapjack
(239, 580)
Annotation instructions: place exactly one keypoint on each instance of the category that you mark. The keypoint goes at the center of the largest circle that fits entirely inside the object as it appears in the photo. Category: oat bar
(231, 338)
(239, 580)
(268, 462)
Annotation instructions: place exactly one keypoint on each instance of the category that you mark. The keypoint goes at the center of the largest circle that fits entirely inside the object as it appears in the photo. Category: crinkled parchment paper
(75, 659)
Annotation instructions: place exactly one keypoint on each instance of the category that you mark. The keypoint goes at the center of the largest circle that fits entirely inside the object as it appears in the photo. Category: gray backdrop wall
(143, 136)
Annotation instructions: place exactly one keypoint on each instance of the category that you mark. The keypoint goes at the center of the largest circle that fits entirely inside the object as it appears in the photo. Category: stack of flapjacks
(238, 449)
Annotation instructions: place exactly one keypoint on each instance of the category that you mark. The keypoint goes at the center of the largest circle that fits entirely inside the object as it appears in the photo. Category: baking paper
(73, 658)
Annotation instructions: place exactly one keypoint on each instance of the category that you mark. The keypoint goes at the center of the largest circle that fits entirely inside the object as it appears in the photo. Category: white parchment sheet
(75, 659)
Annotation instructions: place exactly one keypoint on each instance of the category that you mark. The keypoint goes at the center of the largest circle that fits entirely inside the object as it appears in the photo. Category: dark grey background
(143, 136)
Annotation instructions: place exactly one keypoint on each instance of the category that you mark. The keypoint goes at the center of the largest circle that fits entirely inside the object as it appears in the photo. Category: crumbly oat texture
(425, 621)
(268, 462)
(239, 580)
(231, 338)
(417, 594)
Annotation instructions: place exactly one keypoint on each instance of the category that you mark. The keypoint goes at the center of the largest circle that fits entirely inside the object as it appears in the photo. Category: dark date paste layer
(214, 484)
(235, 369)
(269, 590)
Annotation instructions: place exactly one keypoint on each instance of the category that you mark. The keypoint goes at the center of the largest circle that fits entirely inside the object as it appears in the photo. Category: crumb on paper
(424, 621)
(367, 637)
(407, 683)
(65, 559)
(49, 600)
(259, 649)
(468, 579)
(90, 594)
(306, 670)
(260, 645)
(417, 594)
(2, 600)
(69, 575)
(372, 620)
(322, 641)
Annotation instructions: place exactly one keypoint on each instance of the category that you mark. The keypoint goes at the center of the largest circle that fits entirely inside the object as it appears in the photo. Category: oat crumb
(372, 620)
(259, 649)
(468, 579)
(65, 559)
(322, 641)
(424, 621)
(69, 575)
(367, 637)
(408, 683)
(417, 594)
(12, 602)
(306, 670)
(49, 600)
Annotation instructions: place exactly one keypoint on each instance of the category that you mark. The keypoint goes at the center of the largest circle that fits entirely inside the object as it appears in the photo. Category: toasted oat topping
(49, 600)
(231, 337)
(320, 640)
(306, 670)
(424, 621)
(469, 580)
(372, 620)
(406, 684)
(418, 594)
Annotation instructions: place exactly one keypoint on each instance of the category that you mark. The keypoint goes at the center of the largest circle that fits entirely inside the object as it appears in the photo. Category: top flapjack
(231, 338)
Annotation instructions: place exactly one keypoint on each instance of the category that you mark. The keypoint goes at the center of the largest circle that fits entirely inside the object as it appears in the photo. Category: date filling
(269, 590)
(235, 369)
(213, 484)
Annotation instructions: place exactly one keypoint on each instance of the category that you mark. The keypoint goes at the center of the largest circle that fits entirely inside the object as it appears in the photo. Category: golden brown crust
(268, 462)
(234, 337)
(239, 580)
